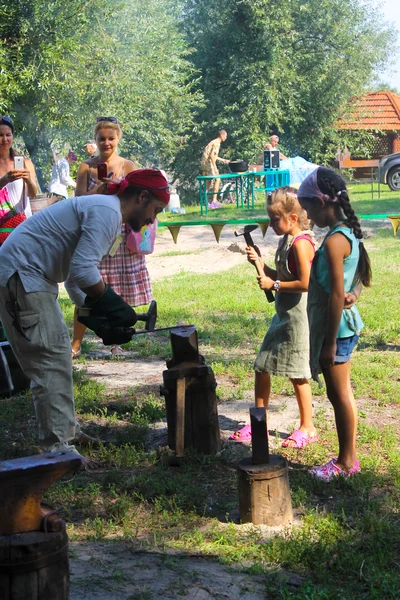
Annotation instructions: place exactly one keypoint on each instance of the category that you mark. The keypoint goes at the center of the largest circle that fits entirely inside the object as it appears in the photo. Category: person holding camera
(17, 182)
(69, 238)
(125, 271)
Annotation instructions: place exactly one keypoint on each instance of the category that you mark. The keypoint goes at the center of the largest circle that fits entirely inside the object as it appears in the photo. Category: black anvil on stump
(33, 538)
(200, 414)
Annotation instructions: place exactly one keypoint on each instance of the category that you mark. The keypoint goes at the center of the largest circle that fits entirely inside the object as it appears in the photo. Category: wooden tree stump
(34, 566)
(264, 493)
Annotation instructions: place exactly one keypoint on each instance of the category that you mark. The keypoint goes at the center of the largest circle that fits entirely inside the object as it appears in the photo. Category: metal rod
(163, 329)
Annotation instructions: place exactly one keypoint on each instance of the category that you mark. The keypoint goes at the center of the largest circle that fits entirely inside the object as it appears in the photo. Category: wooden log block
(201, 414)
(259, 436)
(264, 493)
(34, 566)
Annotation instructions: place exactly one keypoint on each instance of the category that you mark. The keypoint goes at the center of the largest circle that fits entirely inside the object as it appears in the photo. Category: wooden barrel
(41, 202)
(34, 566)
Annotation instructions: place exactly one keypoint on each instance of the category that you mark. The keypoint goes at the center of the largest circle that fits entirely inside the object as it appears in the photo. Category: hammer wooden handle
(249, 241)
(260, 271)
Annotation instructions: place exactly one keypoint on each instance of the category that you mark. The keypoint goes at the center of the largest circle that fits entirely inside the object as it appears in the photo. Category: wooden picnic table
(371, 164)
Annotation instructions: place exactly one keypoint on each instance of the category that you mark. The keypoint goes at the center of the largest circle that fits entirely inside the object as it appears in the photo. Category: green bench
(263, 222)
(216, 224)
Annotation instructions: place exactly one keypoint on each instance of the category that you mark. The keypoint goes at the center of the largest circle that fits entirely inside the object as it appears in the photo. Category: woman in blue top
(340, 267)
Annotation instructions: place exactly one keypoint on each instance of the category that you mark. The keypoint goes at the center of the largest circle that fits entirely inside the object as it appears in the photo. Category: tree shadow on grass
(378, 347)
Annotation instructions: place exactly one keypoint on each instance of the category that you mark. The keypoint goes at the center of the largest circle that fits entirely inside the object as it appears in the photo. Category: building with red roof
(377, 112)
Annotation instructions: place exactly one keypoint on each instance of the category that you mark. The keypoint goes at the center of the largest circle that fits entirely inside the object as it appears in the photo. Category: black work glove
(115, 335)
(109, 334)
(110, 305)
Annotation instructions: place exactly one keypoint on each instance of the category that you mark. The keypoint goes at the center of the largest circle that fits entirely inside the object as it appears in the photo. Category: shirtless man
(209, 161)
(273, 143)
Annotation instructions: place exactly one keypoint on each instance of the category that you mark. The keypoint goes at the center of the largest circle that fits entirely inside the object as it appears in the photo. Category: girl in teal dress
(340, 268)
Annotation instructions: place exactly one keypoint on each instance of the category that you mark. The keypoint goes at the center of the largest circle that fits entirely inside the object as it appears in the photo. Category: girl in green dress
(285, 349)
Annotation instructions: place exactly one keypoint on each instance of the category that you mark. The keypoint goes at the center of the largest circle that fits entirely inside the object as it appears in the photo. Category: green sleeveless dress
(285, 349)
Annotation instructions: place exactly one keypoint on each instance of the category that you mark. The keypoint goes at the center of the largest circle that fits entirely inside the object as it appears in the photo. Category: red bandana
(143, 179)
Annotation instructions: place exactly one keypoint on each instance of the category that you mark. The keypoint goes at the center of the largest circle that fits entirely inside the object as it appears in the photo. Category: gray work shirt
(67, 239)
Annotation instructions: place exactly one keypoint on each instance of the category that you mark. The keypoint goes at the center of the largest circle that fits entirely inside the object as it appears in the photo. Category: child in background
(340, 266)
(285, 349)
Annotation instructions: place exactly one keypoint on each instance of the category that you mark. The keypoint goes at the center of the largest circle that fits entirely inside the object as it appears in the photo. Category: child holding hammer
(285, 349)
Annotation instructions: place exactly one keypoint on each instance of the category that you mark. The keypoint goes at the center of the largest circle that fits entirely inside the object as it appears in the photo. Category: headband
(143, 179)
(310, 189)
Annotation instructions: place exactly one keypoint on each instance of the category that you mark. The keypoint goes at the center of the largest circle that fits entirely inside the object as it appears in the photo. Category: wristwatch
(276, 285)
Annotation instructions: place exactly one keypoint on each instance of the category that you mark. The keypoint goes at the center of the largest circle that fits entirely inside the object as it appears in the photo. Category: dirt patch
(123, 374)
(197, 251)
(104, 571)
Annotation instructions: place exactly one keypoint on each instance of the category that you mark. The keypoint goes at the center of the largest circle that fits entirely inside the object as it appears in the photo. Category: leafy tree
(286, 67)
(64, 63)
(336, 47)
(238, 58)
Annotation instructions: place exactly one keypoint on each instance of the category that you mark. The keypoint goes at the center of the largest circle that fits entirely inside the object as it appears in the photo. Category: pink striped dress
(126, 272)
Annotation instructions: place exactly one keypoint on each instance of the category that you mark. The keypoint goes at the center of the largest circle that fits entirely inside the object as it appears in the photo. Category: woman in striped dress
(125, 271)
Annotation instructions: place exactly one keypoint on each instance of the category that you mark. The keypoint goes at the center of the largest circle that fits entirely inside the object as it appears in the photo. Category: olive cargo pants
(38, 336)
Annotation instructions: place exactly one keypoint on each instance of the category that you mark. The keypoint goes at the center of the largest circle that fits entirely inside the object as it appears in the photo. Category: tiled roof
(374, 110)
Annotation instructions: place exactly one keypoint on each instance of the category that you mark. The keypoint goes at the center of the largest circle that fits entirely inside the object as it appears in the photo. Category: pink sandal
(300, 438)
(331, 470)
(242, 435)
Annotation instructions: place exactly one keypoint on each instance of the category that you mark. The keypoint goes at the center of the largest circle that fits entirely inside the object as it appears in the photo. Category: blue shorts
(344, 348)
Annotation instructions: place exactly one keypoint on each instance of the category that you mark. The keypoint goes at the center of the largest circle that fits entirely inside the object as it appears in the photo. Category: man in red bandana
(69, 239)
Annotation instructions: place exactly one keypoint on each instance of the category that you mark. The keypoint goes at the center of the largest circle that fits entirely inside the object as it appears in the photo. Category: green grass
(346, 542)
(363, 204)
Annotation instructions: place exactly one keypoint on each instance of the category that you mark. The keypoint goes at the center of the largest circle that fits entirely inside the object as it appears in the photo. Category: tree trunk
(39, 149)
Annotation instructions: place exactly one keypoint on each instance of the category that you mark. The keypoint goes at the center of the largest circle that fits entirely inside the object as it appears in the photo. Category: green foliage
(279, 67)
(173, 73)
(64, 63)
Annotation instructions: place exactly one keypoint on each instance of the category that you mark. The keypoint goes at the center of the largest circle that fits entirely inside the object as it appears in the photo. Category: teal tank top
(350, 323)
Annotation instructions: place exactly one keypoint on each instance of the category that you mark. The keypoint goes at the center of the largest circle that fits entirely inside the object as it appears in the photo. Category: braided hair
(333, 185)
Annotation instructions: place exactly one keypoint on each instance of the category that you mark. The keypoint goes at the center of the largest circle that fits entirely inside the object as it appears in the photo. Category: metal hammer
(150, 317)
(246, 232)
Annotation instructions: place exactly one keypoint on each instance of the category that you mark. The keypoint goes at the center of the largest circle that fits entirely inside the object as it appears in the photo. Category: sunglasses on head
(7, 120)
(109, 119)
